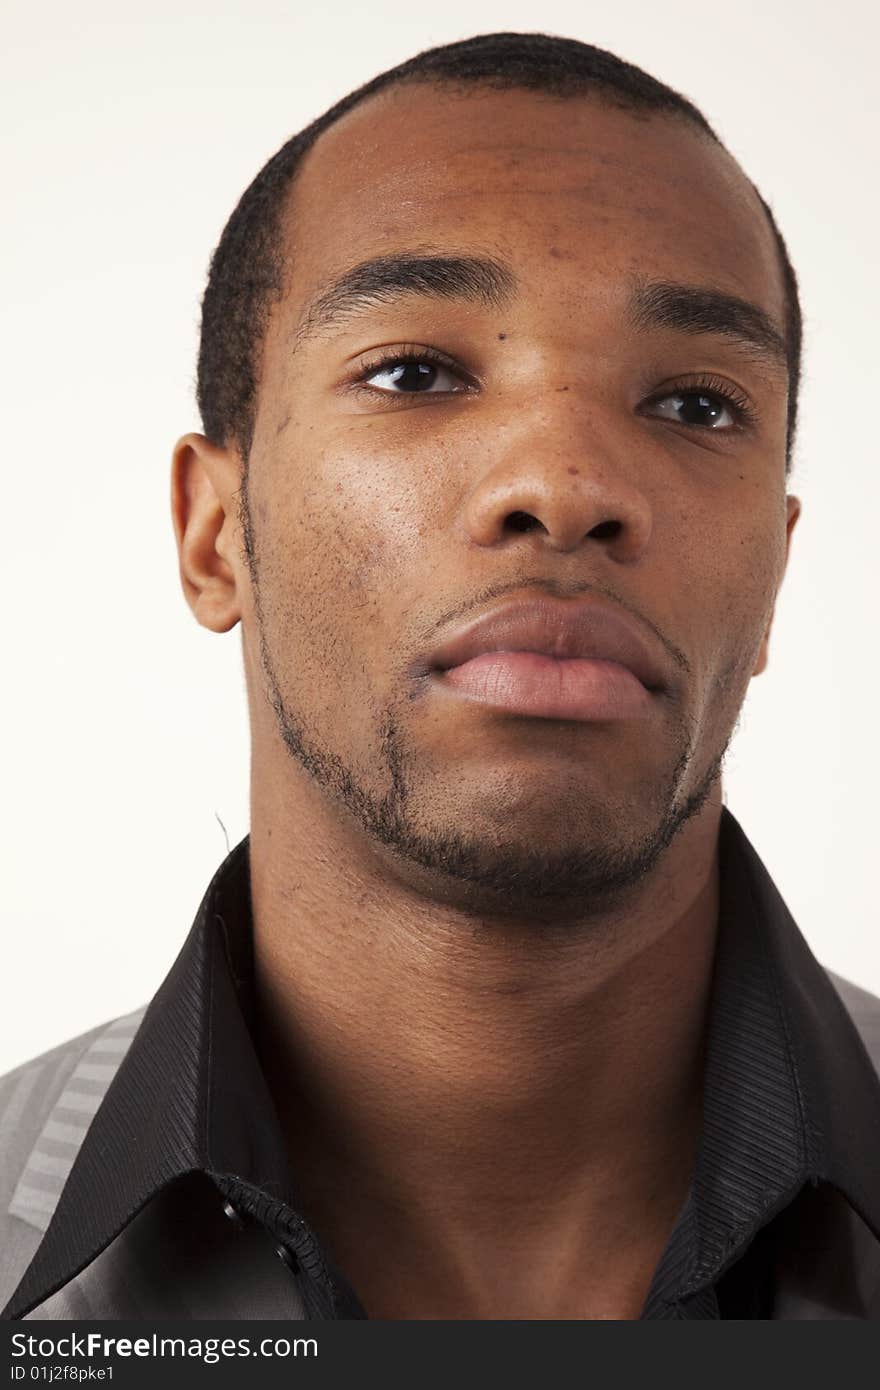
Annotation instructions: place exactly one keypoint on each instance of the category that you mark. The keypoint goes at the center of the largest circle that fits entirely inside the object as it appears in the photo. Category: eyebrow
(384, 279)
(701, 309)
(684, 308)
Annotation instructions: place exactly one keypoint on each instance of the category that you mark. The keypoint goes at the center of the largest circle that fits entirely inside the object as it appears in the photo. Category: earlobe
(204, 481)
(761, 662)
(792, 512)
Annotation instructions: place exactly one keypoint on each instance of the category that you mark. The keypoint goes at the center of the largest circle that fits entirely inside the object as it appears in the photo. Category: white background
(129, 133)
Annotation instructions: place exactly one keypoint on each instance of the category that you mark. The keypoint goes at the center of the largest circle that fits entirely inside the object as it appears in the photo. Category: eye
(696, 408)
(410, 373)
(713, 405)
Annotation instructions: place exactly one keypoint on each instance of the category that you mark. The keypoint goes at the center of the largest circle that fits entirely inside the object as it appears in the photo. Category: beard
(491, 873)
(498, 874)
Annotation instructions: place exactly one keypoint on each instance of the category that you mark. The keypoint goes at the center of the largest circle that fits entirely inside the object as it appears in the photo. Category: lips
(587, 628)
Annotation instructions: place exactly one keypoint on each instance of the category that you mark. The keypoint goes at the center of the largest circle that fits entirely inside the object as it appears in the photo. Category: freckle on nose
(574, 471)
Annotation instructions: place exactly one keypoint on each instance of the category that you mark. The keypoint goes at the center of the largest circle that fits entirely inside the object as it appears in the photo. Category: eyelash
(740, 406)
(408, 353)
(706, 384)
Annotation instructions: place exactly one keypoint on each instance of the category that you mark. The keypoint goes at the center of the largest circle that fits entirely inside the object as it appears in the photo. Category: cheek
(342, 559)
(748, 575)
(374, 508)
(719, 563)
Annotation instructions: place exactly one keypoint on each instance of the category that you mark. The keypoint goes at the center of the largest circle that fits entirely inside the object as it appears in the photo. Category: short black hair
(246, 275)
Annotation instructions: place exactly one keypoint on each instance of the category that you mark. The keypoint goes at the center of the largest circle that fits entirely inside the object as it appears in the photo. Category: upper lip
(586, 627)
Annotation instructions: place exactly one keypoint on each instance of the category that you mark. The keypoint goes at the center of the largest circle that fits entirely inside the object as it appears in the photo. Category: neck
(492, 1110)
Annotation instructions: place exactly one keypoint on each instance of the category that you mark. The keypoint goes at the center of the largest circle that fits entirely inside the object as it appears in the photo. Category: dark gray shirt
(159, 1183)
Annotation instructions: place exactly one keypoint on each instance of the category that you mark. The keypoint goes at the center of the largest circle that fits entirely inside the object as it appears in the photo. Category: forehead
(573, 192)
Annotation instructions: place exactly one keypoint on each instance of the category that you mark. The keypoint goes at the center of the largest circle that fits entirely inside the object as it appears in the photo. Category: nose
(561, 478)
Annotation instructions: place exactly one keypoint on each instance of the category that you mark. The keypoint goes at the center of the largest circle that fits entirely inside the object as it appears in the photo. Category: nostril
(522, 521)
(605, 529)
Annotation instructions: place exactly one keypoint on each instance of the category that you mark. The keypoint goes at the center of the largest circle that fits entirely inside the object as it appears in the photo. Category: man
(496, 1013)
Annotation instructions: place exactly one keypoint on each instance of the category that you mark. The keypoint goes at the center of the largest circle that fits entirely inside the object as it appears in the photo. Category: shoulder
(61, 1088)
(864, 1010)
(46, 1106)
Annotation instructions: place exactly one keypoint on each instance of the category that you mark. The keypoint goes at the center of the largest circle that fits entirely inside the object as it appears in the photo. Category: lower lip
(550, 688)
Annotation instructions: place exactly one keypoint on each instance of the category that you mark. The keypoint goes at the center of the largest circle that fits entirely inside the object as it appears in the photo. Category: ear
(793, 510)
(205, 480)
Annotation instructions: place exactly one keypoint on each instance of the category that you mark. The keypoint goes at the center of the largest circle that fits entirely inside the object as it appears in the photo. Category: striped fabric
(244, 1280)
(792, 1109)
(38, 1189)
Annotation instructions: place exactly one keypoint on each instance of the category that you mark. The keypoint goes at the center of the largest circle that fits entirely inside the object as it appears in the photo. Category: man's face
(550, 453)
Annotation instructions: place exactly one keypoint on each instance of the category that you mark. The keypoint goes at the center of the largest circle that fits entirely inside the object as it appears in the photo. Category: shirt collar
(791, 1098)
(189, 1095)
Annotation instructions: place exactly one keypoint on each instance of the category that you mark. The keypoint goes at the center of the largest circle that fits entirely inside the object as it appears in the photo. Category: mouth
(550, 658)
(548, 687)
